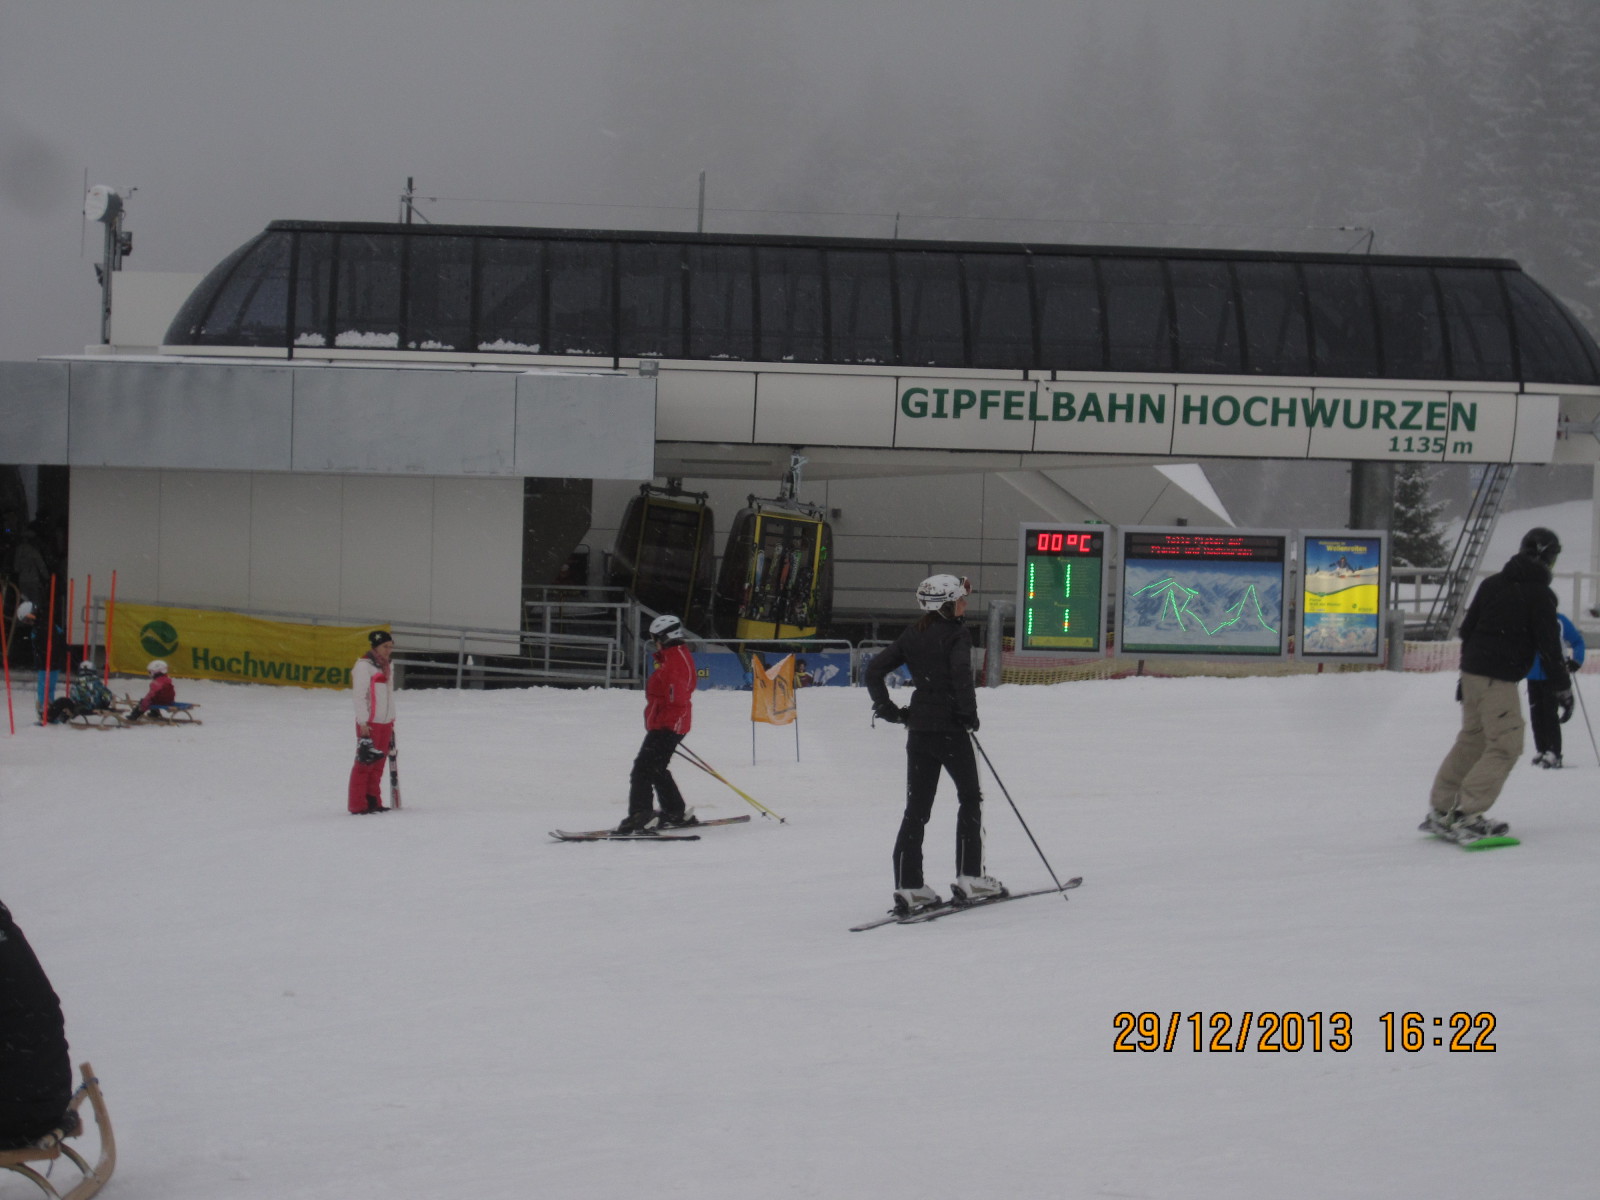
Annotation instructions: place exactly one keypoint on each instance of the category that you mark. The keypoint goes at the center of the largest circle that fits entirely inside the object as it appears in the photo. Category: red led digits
(1048, 542)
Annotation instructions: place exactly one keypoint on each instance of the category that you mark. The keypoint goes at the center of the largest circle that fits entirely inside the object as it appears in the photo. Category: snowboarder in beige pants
(1487, 748)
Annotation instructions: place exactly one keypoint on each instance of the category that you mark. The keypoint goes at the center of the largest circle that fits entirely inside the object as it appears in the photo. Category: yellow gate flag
(772, 691)
(200, 644)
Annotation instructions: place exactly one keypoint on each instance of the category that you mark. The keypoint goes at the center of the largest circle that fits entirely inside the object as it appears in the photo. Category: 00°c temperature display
(1061, 589)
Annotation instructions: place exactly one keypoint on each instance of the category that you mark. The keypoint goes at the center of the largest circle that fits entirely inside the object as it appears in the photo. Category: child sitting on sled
(161, 692)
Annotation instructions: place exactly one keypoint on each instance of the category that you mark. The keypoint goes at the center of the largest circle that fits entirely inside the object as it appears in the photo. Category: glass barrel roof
(477, 290)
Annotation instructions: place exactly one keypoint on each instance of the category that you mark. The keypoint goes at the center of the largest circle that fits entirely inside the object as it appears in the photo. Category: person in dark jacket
(35, 1072)
(940, 720)
(1546, 713)
(668, 712)
(1510, 622)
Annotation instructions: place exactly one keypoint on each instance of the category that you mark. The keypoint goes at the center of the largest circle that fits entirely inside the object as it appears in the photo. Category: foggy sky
(1449, 126)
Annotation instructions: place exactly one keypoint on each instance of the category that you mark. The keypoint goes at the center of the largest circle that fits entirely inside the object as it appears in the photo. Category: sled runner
(169, 714)
(53, 1146)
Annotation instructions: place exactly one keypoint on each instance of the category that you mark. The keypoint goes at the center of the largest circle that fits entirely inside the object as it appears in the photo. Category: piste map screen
(1208, 593)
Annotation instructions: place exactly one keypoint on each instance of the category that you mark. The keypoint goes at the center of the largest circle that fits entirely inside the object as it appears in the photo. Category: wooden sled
(101, 718)
(179, 713)
(53, 1146)
(169, 714)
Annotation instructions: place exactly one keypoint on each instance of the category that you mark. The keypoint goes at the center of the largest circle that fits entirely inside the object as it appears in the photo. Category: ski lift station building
(416, 422)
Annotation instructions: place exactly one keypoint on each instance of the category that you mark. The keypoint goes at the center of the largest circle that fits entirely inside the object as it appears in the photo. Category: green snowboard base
(1489, 843)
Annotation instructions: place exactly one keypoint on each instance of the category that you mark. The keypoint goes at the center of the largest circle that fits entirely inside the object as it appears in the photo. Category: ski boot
(968, 888)
(912, 900)
(683, 820)
(635, 823)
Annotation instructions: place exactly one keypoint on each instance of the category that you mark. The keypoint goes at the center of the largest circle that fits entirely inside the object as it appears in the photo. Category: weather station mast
(105, 205)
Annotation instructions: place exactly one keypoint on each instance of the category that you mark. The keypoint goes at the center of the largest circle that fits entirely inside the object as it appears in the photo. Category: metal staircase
(1482, 515)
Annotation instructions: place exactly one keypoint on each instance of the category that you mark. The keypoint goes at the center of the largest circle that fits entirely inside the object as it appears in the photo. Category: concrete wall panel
(585, 427)
(33, 412)
(404, 422)
(192, 415)
(205, 536)
(296, 530)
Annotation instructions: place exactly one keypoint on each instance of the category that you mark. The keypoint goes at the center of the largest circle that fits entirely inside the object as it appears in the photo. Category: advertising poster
(1211, 593)
(1341, 608)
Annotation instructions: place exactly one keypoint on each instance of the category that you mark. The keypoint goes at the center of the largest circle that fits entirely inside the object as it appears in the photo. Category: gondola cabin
(777, 575)
(663, 553)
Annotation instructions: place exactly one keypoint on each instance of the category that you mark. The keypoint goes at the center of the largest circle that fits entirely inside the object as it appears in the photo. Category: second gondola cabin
(777, 573)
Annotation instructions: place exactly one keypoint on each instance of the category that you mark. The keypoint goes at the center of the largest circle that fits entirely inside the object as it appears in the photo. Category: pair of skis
(649, 835)
(947, 908)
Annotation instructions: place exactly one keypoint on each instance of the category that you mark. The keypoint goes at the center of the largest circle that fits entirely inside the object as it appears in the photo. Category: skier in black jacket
(941, 718)
(35, 1072)
(1511, 620)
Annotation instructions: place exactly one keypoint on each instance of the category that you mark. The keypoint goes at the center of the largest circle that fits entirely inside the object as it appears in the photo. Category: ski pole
(694, 758)
(1014, 809)
(1586, 724)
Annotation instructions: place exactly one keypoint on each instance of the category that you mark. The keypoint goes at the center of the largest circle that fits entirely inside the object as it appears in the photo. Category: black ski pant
(651, 776)
(926, 754)
(1545, 717)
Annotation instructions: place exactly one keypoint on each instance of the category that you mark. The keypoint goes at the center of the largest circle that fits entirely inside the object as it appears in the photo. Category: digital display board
(1343, 584)
(1061, 589)
(1210, 593)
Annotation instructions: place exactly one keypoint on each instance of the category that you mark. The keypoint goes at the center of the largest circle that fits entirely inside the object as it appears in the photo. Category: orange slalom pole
(111, 612)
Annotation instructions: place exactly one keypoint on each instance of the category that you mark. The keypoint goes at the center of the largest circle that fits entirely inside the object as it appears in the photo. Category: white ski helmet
(934, 592)
(157, 667)
(666, 627)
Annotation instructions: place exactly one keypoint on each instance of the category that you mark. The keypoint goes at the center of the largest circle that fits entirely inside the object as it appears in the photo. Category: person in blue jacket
(1546, 712)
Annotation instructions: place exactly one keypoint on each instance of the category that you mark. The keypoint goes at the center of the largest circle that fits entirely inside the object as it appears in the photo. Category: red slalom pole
(88, 603)
(71, 621)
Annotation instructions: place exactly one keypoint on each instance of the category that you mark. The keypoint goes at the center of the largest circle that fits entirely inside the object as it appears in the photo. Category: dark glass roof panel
(1208, 324)
(1476, 323)
(999, 310)
(1552, 349)
(930, 310)
(1138, 325)
(792, 304)
(1273, 303)
(1071, 317)
(1409, 323)
(650, 283)
(1344, 328)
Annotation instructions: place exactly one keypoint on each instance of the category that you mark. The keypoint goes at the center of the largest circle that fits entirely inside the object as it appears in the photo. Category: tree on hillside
(1416, 538)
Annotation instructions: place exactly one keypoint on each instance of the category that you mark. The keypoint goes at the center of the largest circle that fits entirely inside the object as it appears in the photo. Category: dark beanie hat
(378, 637)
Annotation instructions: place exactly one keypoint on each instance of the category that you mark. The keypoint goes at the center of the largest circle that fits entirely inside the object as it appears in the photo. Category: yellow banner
(198, 644)
(772, 691)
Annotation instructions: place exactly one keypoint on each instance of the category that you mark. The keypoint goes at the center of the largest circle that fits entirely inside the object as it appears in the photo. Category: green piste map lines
(1176, 598)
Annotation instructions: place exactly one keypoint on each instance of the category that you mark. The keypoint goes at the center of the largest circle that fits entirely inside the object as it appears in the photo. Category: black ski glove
(968, 721)
(889, 711)
(1564, 706)
(368, 753)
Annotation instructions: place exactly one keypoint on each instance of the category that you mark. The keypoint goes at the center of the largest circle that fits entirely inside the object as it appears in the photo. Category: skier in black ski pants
(941, 718)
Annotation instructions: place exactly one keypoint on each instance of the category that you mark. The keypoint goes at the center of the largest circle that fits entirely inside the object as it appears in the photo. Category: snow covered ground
(286, 1002)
